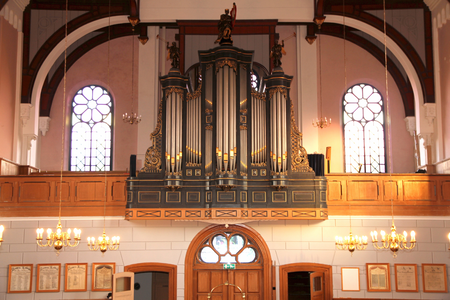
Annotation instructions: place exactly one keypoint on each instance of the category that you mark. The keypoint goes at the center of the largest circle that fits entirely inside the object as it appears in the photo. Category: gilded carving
(299, 157)
(231, 63)
(261, 96)
(172, 89)
(209, 127)
(196, 94)
(152, 162)
(278, 89)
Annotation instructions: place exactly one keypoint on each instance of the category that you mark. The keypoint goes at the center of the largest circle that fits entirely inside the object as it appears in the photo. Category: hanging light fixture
(2, 228)
(132, 118)
(103, 242)
(393, 241)
(322, 122)
(59, 238)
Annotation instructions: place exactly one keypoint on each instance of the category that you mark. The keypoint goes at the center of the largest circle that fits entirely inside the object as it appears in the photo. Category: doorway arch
(306, 267)
(158, 267)
(259, 269)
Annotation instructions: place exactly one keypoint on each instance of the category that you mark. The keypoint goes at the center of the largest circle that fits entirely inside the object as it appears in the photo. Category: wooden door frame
(306, 267)
(245, 230)
(158, 267)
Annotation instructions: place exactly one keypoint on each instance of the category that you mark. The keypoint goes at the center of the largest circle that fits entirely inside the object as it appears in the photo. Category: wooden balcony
(371, 194)
(81, 193)
(38, 195)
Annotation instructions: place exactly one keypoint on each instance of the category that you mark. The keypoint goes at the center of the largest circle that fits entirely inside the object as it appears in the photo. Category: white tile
(23, 247)
(162, 256)
(158, 245)
(132, 246)
(382, 223)
(77, 224)
(107, 223)
(441, 257)
(297, 245)
(430, 223)
(322, 223)
(160, 234)
(179, 223)
(158, 223)
(439, 247)
(180, 245)
(276, 245)
(344, 258)
(10, 258)
(404, 295)
(24, 224)
(132, 223)
(12, 236)
(45, 296)
(439, 235)
(49, 257)
(265, 231)
(321, 245)
(288, 234)
(191, 232)
(97, 257)
(346, 222)
(311, 234)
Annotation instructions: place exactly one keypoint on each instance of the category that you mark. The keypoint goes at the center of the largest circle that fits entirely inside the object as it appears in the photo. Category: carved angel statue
(226, 25)
(277, 52)
(173, 53)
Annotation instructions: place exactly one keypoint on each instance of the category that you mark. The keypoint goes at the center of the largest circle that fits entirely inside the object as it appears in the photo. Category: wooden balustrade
(359, 194)
(371, 194)
(81, 194)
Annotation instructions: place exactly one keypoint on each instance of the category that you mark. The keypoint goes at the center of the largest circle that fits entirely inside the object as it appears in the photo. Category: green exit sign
(229, 266)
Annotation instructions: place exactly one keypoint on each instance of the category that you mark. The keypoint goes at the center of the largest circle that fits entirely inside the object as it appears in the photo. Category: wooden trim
(252, 234)
(305, 267)
(158, 267)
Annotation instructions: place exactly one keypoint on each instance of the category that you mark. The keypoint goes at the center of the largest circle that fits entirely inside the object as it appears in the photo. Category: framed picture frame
(48, 279)
(434, 278)
(378, 277)
(406, 278)
(102, 276)
(19, 278)
(350, 279)
(76, 277)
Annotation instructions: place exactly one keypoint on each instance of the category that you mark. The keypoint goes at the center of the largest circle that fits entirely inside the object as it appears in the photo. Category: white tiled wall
(167, 241)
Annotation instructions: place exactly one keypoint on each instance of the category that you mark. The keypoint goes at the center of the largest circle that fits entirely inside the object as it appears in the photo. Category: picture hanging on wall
(406, 278)
(19, 278)
(350, 279)
(434, 278)
(76, 277)
(102, 276)
(48, 278)
(378, 279)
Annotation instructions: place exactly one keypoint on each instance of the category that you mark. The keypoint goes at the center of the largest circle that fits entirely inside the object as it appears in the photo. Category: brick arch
(251, 233)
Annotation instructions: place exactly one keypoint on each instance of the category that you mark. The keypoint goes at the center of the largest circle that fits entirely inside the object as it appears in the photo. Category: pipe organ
(225, 150)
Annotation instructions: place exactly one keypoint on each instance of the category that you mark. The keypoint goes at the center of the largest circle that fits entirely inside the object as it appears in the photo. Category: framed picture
(102, 276)
(350, 279)
(378, 279)
(76, 277)
(406, 278)
(48, 278)
(434, 278)
(19, 278)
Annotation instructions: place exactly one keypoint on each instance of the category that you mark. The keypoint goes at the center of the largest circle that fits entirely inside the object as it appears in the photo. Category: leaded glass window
(227, 247)
(91, 134)
(363, 111)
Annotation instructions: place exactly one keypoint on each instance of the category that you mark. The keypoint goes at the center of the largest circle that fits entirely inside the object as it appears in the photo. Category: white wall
(167, 242)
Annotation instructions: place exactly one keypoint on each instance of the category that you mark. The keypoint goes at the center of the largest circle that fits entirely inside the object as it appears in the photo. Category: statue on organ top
(225, 26)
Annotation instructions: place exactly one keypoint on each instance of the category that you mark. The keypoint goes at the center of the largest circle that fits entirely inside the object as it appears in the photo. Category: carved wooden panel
(419, 190)
(118, 191)
(445, 187)
(90, 191)
(391, 190)
(334, 190)
(6, 192)
(34, 192)
(363, 190)
(63, 194)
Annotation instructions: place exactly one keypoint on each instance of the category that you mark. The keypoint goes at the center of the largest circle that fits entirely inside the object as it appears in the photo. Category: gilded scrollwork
(279, 89)
(152, 163)
(173, 89)
(231, 63)
(196, 94)
(260, 96)
(299, 157)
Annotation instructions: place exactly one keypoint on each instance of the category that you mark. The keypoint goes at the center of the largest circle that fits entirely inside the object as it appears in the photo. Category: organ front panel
(226, 149)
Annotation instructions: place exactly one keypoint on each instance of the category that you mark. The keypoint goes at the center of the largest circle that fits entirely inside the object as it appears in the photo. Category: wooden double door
(228, 284)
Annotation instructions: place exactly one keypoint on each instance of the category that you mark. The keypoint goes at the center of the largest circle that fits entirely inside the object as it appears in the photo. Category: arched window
(91, 135)
(364, 130)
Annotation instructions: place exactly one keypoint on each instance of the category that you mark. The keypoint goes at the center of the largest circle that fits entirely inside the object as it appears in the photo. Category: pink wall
(92, 69)
(8, 54)
(361, 68)
(444, 62)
